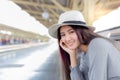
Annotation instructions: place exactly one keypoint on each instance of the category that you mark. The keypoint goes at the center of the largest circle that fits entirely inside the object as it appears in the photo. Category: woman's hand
(69, 51)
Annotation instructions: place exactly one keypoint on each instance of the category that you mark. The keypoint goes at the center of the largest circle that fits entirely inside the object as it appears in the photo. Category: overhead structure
(48, 11)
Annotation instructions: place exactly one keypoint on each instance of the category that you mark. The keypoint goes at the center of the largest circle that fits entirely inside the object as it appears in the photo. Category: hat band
(74, 22)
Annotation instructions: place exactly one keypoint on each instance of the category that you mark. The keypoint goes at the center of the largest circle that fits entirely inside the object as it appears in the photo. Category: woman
(85, 54)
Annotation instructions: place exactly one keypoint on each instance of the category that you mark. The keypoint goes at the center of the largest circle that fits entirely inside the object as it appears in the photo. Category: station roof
(48, 11)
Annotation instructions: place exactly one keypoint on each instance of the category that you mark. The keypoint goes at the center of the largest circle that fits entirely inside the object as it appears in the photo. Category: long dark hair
(85, 35)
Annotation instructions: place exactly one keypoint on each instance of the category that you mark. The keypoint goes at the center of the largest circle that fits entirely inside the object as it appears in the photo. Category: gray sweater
(101, 62)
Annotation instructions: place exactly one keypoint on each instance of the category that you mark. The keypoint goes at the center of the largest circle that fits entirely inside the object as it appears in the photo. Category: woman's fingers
(62, 44)
(69, 51)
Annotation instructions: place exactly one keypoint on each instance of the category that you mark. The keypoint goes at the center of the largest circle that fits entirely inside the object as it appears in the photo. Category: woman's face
(69, 37)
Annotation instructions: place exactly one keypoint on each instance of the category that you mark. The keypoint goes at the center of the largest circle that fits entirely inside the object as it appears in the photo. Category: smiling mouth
(70, 44)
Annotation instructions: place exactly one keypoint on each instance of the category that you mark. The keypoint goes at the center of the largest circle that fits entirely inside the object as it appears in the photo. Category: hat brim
(53, 29)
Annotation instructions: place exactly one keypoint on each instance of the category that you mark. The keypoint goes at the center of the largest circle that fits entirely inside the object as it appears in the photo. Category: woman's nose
(68, 37)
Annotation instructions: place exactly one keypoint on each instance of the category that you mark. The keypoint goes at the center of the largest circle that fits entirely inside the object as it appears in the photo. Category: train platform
(33, 62)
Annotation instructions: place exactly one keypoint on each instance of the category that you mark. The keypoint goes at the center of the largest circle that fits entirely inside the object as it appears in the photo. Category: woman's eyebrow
(70, 29)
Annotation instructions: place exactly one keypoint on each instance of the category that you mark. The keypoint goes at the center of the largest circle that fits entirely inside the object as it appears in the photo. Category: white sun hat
(72, 17)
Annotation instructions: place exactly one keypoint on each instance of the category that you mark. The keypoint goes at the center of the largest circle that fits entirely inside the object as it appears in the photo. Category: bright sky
(12, 15)
(110, 20)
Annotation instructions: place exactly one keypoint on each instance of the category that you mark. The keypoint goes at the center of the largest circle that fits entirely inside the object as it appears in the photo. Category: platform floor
(36, 63)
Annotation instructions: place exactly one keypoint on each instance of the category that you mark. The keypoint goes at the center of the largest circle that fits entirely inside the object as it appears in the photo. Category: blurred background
(27, 52)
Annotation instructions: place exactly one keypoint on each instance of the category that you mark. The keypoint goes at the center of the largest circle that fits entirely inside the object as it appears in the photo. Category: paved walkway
(33, 63)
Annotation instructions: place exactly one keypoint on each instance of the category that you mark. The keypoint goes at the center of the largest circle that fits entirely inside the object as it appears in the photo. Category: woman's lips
(70, 44)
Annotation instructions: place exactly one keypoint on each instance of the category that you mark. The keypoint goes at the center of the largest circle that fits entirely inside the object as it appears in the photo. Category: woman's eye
(62, 35)
(72, 31)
